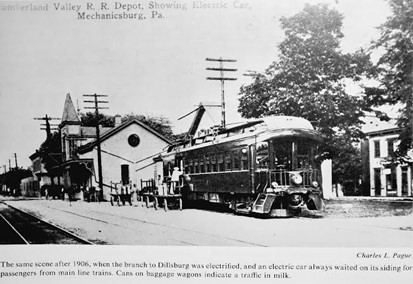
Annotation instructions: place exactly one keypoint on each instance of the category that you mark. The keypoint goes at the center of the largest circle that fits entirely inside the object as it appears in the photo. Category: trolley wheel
(165, 204)
(155, 203)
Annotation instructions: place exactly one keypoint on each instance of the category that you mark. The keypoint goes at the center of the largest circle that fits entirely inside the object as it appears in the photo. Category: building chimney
(118, 120)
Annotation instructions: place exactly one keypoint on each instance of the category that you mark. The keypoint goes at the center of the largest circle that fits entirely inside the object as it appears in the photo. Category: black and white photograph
(177, 141)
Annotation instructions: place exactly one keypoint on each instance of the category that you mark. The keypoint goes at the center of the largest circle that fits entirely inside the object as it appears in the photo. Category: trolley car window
(304, 154)
(214, 163)
(186, 168)
(207, 164)
(262, 156)
(201, 165)
(237, 162)
(228, 162)
(191, 166)
(221, 163)
(167, 170)
(196, 168)
(244, 159)
(292, 155)
(283, 154)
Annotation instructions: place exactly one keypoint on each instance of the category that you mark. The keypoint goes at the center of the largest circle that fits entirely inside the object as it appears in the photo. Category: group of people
(91, 193)
(124, 192)
(123, 189)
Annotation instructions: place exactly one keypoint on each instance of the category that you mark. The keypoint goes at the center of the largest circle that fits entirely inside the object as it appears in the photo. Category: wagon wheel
(180, 203)
(155, 203)
(165, 204)
(111, 200)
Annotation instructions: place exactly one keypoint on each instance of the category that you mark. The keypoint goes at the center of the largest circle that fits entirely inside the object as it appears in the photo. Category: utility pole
(15, 159)
(47, 125)
(222, 78)
(96, 107)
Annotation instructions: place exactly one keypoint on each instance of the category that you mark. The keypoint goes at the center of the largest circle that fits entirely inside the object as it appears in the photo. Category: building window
(391, 182)
(64, 147)
(377, 182)
(72, 148)
(124, 171)
(133, 140)
(405, 182)
(376, 149)
(390, 147)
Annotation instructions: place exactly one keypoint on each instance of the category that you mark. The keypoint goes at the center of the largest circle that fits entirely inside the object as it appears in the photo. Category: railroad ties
(19, 227)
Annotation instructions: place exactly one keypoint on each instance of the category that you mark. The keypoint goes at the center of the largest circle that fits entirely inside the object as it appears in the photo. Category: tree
(90, 119)
(13, 177)
(309, 80)
(394, 69)
(160, 124)
(51, 150)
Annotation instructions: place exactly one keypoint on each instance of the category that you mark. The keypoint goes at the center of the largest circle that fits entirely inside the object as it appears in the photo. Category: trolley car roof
(260, 130)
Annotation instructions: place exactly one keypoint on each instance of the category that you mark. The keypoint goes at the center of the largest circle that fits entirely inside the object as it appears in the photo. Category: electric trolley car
(264, 167)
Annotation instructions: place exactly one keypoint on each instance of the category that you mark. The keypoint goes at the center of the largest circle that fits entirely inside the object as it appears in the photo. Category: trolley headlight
(296, 179)
(295, 200)
(315, 184)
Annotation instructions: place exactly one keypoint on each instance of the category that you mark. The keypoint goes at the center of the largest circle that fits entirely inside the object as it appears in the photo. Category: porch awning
(87, 163)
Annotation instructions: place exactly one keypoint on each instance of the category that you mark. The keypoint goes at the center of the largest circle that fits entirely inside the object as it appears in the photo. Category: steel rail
(154, 224)
(76, 237)
(14, 229)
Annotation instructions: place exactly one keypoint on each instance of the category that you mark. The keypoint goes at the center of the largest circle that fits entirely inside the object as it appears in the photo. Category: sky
(155, 66)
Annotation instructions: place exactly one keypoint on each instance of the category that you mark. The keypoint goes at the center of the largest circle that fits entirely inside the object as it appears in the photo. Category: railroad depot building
(127, 152)
(387, 178)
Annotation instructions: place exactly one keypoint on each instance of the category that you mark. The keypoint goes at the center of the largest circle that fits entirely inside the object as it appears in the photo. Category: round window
(133, 140)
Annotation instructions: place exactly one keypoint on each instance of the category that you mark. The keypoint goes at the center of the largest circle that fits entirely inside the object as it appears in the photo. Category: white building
(387, 178)
(127, 152)
(39, 170)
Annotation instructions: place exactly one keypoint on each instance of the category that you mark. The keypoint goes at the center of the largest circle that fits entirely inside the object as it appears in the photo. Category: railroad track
(101, 219)
(20, 227)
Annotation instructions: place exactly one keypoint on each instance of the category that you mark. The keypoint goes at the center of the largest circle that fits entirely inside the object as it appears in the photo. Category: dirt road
(138, 225)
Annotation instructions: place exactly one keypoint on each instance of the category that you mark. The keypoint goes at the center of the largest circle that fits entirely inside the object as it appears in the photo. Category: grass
(360, 208)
